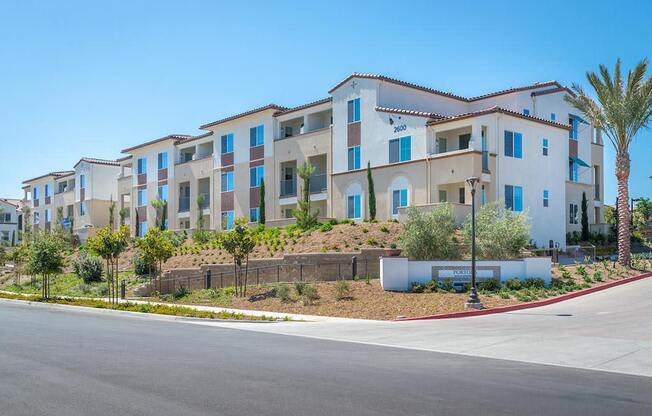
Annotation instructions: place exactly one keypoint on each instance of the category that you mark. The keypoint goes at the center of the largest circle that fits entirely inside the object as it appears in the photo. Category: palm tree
(623, 107)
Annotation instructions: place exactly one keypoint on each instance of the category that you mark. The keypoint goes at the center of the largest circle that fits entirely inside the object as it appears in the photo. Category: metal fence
(271, 274)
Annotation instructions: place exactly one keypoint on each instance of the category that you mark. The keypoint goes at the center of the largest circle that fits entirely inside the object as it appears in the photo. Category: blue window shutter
(260, 135)
(357, 157)
(404, 197)
(357, 207)
(349, 207)
(509, 197)
(394, 151)
(356, 115)
(509, 143)
(350, 156)
(406, 148)
(518, 145)
(518, 198)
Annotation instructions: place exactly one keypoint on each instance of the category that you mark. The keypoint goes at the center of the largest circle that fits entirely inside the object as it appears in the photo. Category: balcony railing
(288, 188)
(184, 204)
(318, 183)
(485, 161)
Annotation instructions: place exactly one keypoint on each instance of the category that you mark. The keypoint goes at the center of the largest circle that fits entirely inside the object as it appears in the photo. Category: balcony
(206, 200)
(184, 204)
(288, 188)
(318, 183)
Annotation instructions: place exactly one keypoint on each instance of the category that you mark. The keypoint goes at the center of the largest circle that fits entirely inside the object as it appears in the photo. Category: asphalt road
(55, 362)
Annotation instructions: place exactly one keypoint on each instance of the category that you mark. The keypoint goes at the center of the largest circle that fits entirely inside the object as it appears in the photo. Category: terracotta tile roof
(409, 112)
(122, 159)
(193, 138)
(16, 203)
(304, 106)
(397, 82)
(55, 174)
(496, 109)
(517, 89)
(161, 139)
(243, 114)
(98, 161)
(554, 90)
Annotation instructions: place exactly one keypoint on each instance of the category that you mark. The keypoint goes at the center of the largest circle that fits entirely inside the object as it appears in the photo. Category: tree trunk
(624, 238)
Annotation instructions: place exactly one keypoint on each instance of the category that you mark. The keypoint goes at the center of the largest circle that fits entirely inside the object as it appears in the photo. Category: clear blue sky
(81, 78)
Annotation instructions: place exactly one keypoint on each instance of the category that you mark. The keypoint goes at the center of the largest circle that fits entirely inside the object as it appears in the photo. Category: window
(443, 196)
(353, 110)
(142, 166)
(354, 158)
(464, 140)
(353, 207)
(82, 208)
(526, 111)
(82, 181)
(5, 217)
(483, 196)
(573, 214)
(254, 214)
(37, 217)
(47, 190)
(228, 219)
(256, 136)
(574, 123)
(142, 228)
(513, 144)
(399, 200)
(572, 171)
(553, 116)
(514, 198)
(227, 143)
(441, 144)
(461, 195)
(256, 175)
(545, 198)
(5, 236)
(400, 150)
(35, 193)
(227, 181)
(142, 197)
(545, 147)
(163, 160)
(162, 192)
(48, 216)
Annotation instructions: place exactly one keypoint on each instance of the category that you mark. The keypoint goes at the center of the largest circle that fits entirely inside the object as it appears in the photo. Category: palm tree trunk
(624, 242)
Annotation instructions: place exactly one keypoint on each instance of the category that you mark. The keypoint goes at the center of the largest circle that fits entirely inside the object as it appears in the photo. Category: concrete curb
(528, 305)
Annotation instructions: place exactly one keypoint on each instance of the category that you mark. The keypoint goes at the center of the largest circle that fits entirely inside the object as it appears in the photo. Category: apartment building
(527, 146)
(11, 219)
(78, 198)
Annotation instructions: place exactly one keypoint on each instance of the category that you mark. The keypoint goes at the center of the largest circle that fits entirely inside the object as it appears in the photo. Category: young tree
(155, 247)
(430, 236)
(261, 203)
(239, 243)
(123, 216)
(46, 259)
(622, 109)
(109, 245)
(306, 217)
(137, 224)
(160, 207)
(200, 211)
(112, 213)
(499, 232)
(59, 225)
(372, 193)
(19, 256)
(585, 218)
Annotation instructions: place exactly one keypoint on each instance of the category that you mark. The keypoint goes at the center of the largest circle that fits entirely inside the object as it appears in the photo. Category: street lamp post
(474, 300)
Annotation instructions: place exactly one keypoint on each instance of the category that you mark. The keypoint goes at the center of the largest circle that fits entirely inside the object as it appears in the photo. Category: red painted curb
(528, 305)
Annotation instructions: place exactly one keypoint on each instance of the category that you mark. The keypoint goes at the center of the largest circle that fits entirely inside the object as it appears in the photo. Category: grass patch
(69, 284)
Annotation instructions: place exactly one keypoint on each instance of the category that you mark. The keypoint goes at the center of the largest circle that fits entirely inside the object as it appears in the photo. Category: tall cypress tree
(585, 218)
(261, 203)
(372, 194)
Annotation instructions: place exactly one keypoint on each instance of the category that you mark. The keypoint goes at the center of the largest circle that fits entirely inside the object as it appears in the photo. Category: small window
(545, 147)
(400, 150)
(353, 210)
(443, 196)
(514, 198)
(254, 214)
(47, 190)
(142, 197)
(257, 136)
(256, 175)
(163, 192)
(37, 217)
(553, 116)
(35, 193)
(573, 214)
(82, 181)
(163, 160)
(82, 208)
(227, 181)
(399, 200)
(354, 158)
(573, 175)
(227, 143)
(142, 228)
(442, 144)
(464, 140)
(545, 198)
(574, 123)
(48, 216)
(461, 195)
(483, 196)
(526, 111)
(353, 110)
(513, 144)
(228, 220)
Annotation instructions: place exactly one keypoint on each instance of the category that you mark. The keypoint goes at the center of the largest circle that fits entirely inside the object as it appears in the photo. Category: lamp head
(472, 181)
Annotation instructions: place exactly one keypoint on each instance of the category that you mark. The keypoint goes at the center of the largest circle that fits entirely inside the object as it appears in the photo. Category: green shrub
(299, 287)
(327, 226)
(201, 236)
(309, 294)
(513, 284)
(417, 287)
(142, 267)
(430, 236)
(342, 290)
(432, 286)
(365, 230)
(447, 285)
(534, 283)
(500, 233)
(283, 293)
(597, 276)
(88, 267)
(489, 285)
(384, 229)
(372, 241)
(181, 292)
(177, 238)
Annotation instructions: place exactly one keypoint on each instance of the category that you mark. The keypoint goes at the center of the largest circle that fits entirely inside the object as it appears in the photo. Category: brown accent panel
(572, 148)
(36, 203)
(162, 182)
(48, 200)
(257, 152)
(226, 203)
(227, 168)
(227, 159)
(353, 134)
(254, 197)
(142, 213)
(82, 194)
(142, 179)
(256, 163)
(162, 174)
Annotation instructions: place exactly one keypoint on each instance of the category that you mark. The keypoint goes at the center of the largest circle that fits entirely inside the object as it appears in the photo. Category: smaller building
(11, 219)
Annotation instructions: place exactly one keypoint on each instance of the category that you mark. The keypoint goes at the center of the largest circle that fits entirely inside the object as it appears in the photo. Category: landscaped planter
(393, 252)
